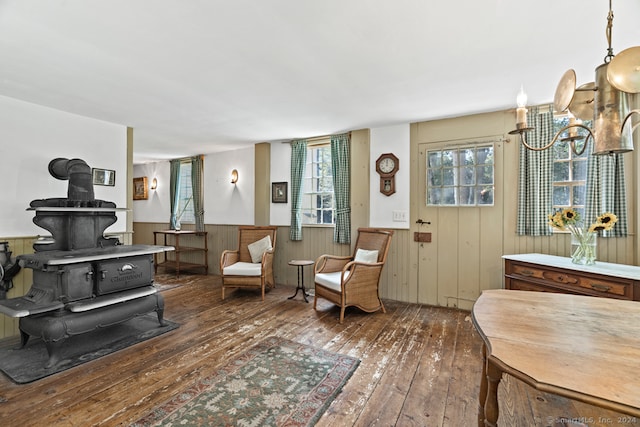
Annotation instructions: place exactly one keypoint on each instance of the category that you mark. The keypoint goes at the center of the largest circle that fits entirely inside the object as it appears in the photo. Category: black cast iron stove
(82, 280)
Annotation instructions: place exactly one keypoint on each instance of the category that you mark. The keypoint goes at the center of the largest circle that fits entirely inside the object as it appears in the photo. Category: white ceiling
(201, 76)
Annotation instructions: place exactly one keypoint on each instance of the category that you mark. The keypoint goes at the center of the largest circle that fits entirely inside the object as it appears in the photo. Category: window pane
(485, 196)
(579, 195)
(561, 150)
(434, 196)
(448, 196)
(434, 177)
(485, 175)
(447, 158)
(467, 157)
(435, 160)
(468, 175)
(579, 170)
(466, 196)
(561, 196)
(561, 171)
(448, 177)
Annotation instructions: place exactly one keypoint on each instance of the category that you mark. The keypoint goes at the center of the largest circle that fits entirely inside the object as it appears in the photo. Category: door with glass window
(461, 207)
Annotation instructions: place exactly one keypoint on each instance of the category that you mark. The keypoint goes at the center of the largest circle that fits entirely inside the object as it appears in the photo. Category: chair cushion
(363, 255)
(331, 280)
(256, 249)
(242, 269)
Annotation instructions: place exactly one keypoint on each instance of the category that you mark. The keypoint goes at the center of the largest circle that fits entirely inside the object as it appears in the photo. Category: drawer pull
(600, 287)
(526, 273)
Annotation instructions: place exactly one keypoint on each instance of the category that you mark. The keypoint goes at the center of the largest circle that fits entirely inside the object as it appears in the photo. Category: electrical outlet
(400, 216)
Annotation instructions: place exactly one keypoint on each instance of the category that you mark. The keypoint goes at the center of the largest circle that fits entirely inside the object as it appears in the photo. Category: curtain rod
(315, 138)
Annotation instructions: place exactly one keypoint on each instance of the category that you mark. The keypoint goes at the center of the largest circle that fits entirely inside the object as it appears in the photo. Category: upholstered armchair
(353, 280)
(251, 265)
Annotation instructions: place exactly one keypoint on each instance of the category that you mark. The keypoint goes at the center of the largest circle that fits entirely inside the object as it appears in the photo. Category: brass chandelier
(605, 102)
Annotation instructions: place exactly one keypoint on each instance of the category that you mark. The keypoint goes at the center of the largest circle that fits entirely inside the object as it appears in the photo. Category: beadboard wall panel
(394, 283)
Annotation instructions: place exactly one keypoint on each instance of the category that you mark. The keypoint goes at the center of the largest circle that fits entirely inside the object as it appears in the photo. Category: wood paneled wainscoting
(394, 283)
(420, 365)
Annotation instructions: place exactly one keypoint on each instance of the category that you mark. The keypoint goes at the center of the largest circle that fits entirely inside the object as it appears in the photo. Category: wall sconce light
(604, 101)
(234, 176)
(154, 184)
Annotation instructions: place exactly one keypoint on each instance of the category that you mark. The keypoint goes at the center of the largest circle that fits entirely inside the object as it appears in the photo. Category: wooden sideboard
(549, 273)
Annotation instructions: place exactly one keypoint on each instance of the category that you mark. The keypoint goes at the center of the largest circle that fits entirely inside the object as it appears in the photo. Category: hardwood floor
(420, 365)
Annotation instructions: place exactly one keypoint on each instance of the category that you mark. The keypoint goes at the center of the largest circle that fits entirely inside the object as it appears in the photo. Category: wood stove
(82, 281)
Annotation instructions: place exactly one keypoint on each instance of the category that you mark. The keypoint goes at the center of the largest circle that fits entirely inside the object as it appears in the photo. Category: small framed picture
(279, 192)
(104, 177)
(140, 188)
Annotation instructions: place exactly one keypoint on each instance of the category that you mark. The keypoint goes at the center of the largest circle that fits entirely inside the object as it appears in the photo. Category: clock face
(387, 164)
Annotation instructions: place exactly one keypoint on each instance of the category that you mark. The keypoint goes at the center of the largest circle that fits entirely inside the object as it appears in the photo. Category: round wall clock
(387, 165)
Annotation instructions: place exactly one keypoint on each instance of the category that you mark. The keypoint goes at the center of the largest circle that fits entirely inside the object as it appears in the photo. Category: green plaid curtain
(174, 185)
(197, 179)
(341, 171)
(606, 191)
(298, 162)
(535, 180)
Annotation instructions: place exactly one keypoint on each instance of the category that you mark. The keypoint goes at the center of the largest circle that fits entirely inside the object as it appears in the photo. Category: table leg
(483, 387)
(491, 411)
(491, 376)
(300, 284)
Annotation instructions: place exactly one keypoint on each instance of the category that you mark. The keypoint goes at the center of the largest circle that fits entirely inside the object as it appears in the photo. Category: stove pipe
(79, 175)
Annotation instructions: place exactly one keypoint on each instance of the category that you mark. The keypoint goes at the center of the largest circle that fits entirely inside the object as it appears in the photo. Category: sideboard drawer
(530, 276)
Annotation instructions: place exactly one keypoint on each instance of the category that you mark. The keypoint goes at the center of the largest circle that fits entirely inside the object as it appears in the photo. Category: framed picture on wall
(279, 192)
(104, 177)
(140, 188)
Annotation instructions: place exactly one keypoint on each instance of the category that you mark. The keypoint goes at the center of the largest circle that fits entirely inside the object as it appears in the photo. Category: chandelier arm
(524, 142)
(572, 140)
(523, 139)
(631, 113)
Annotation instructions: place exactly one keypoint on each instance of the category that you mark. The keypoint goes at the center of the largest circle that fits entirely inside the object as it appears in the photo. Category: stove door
(124, 273)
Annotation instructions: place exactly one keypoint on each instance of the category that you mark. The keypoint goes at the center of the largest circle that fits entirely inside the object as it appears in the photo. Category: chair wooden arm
(331, 263)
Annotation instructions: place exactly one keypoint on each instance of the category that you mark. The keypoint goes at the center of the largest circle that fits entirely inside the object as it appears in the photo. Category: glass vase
(583, 248)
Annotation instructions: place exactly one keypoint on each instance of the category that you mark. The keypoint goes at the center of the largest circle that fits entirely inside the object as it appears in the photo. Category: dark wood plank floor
(420, 365)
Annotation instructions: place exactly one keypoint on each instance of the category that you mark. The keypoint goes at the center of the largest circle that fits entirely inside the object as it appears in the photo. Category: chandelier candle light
(583, 239)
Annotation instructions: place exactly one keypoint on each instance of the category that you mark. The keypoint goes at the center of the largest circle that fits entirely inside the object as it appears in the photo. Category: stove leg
(160, 309)
(160, 313)
(53, 348)
(24, 338)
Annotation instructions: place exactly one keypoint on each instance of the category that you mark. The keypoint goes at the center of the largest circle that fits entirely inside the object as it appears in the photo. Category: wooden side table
(300, 263)
(176, 263)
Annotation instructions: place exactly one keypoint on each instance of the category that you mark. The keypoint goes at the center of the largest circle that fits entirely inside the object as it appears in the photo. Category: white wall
(396, 140)
(156, 207)
(224, 203)
(281, 172)
(229, 204)
(30, 137)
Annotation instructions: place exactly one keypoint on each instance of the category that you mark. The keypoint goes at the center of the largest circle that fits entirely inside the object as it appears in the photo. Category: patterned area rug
(276, 383)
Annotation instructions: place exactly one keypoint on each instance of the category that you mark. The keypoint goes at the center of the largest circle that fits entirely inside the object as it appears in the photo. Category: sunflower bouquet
(582, 238)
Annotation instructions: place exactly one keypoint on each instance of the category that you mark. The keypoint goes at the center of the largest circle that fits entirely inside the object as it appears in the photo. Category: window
(317, 198)
(461, 176)
(569, 172)
(185, 194)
